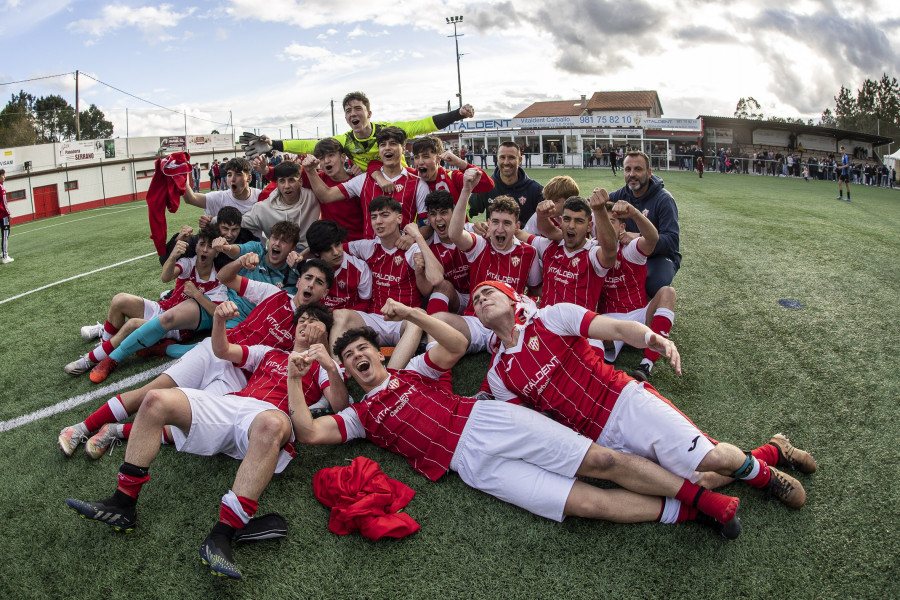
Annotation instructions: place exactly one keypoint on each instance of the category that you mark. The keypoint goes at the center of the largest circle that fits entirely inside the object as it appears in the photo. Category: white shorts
(639, 315)
(463, 301)
(643, 424)
(388, 331)
(220, 425)
(199, 369)
(479, 335)
(153, 310)
(519, 456)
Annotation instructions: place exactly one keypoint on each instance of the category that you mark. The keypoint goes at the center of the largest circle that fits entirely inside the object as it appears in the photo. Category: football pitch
(827, 375)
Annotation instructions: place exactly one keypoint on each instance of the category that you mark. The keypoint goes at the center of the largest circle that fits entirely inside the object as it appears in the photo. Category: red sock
(166, 436)
(108, 328)
(126, 430)
(661, 325)
(98, 354)
(766, 453)
(131, 485)
(437, 303)
(231, 518)
(762, 478)
(101, 417)
(718, 506)
(686, 513)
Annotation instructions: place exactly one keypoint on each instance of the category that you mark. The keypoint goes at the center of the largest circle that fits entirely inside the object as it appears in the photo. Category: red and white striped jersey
(624, 288)
(574, 277)
(452, 181)
(393, 273)
(412, 415)
(456, 267)
(352, 287)
(409, 191)
(271, 323)
(188, 272)
(554, 369)
(268, 380)
(518, 267)
(347, 212)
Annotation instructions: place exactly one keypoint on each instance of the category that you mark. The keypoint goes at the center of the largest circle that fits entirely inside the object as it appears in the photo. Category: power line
(178, 112)
(37, 78)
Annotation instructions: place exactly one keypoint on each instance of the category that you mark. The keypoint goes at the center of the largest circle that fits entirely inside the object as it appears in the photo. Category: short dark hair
(438, 200)
(356, 96)
(381, 202)
(208, 233)
(324, 234)
(351, 335)
(509, 144)
(327, 146)
(391, 133)
(504, 204)
(428, 142)
(286, 230)
(317, 311)
(238, 164)
(577, 204)
(638, 153)
(2, 171)
(286, 168)
(229, 215)
(317, 263)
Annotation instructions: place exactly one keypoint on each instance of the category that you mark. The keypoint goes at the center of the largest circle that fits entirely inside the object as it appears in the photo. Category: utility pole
(77, 120)
(453, 21)
(333, 132)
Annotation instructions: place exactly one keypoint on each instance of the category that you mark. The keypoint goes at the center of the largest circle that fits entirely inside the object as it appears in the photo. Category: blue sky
(277, 63)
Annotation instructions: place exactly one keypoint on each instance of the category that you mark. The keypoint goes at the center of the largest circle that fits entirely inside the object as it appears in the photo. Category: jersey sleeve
(253, 355)
(477, 248)
(423, 365)
(352, 188)
(540, 244)
(307, 146)
(248, 247)
(594, 257)
(349, 424)
(361, 249)
(496, 387)
(213, 203)
(256, 291)
(535, 272)
(566, 319)
(364, 291)
(410, 254)
(185, 265)
(633, 254)
(417, 127)
(421, 192)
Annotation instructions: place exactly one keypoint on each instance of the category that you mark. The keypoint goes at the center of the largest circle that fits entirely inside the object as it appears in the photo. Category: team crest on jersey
(522, 200)
(618, 265)
(533, 344)
(645, 212)
(575, 261)
(398, 260)
(394, 384)
(398, 187)
(279, 284)
(342, 284)
(515, 260)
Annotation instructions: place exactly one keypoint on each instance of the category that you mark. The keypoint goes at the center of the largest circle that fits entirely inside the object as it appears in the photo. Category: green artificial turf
(826, 375)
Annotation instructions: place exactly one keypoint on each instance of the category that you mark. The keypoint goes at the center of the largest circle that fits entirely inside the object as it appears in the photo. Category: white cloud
(152, 21)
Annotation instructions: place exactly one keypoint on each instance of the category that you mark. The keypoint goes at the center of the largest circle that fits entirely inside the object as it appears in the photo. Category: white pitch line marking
(82, 399)
(49, 285)
(14, 232)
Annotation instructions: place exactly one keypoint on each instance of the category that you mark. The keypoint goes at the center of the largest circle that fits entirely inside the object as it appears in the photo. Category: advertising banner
(80, 151)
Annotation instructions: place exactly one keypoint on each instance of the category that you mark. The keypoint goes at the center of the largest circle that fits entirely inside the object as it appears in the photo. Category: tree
(55, 119)
(214, 132)
(94, 125)
(748, 108)
(17, 127)
(828, 119)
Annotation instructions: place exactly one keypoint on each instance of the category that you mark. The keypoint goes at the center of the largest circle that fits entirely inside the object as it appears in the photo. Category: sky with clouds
(270, 65)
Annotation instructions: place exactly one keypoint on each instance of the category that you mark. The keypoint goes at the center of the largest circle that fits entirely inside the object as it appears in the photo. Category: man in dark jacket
(510, 180)
(646, 192)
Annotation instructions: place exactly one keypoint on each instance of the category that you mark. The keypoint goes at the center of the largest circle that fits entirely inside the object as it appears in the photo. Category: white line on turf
(82, 399)
(16, 232)
(44, 287)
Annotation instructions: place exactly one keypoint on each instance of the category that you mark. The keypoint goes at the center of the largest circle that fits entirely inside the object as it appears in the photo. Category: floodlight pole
(453, 21)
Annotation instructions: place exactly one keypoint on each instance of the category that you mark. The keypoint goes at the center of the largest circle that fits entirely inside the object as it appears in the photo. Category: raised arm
(324, 193)
(307, 430)
(545, 226)
(604, 232)
(229, 277)
(458, 235)
(451, 344)
(170, 268)
(434, 271)
(222, 348)
(336, 392)
(649, 235)
(194, 199)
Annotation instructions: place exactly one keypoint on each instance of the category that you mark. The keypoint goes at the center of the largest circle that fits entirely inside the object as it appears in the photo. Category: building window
(71, 185)
(16, 195)
(145, 174)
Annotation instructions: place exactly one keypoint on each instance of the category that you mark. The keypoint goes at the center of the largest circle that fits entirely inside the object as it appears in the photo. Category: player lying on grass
(250, 425)
(352, 286)
(269, 324)
(510, 452)
(545, 361)
(133, 323)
